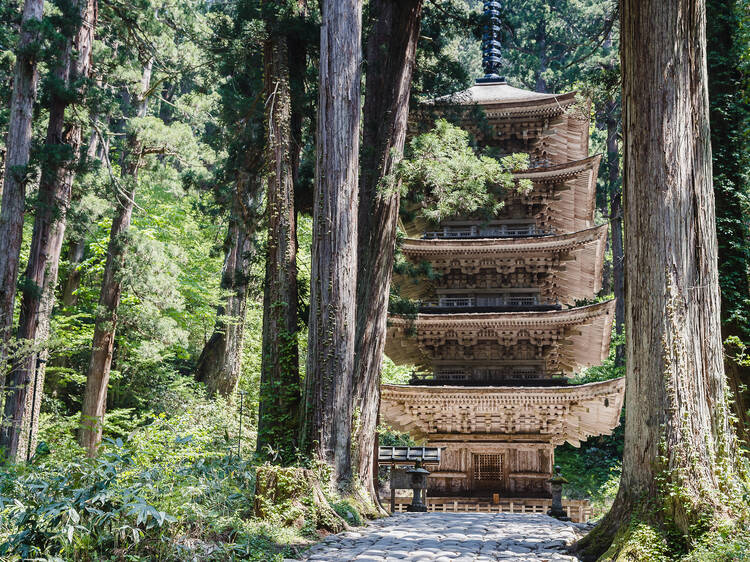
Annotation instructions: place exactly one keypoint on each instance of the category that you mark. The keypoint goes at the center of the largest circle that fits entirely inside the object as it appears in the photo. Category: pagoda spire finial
(491, 47)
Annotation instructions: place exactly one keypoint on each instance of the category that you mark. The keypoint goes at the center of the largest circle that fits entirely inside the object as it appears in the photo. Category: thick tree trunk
(278, 419)
(677, 434)
(97, 378)
(221, 359)
(615, 213)
(220, 362)
(730, 119)
(18, 144)
(327, 419)
(63, 144)
(391, 51)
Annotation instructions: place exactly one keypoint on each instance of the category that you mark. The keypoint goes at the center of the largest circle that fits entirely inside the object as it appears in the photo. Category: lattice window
(488, 467)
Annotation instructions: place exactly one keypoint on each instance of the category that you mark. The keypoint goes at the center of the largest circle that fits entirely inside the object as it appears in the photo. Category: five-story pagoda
(498, 331)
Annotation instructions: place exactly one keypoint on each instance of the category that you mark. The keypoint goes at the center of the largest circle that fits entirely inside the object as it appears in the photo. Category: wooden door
(488, 473)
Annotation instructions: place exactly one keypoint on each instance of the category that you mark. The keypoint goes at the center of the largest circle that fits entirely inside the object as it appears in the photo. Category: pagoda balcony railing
(512, 231)
(484, 302)
(539, 162)
(520, 376)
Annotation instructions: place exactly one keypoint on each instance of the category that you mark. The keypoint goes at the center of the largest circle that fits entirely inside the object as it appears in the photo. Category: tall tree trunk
(77, 243)
(76, 253)
(677, 434)
(63, 145)
(278, 419)
(730, 119)
(18, 144)
(615, 213)
(221, 359)
(327, 419)
(220, 362)
(602, 200)
(541, 45)
(97, 378)
(391, 51)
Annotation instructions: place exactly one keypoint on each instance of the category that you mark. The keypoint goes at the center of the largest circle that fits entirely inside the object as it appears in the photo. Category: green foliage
(444, 176)
(448, 53)
(390, 373)
(548, 44)
(173, 490)
(281, 426)
(348, 512)
(593, 470)
(638, 541)
(724, 541)
(729, 97)
(728, 542)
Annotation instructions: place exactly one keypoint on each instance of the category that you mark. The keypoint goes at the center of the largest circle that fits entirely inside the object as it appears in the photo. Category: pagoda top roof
(532, 414)
(499, 94)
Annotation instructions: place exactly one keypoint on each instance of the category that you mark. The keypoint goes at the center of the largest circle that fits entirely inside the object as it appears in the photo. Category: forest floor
(455, 537)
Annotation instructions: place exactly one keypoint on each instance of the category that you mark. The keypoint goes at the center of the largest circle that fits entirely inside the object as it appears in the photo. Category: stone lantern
(556, 482)
(418, 477)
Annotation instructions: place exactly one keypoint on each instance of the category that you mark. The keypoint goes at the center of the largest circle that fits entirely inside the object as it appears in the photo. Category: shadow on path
(452, 537)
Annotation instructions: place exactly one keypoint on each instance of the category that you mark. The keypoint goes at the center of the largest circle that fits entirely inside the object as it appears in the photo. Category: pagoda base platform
(579, 511)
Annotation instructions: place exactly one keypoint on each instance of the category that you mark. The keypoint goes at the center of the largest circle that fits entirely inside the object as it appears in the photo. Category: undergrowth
(593, 470)
(642, 542)
(173, 488)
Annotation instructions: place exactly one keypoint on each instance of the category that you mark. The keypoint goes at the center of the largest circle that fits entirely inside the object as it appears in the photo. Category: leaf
(73, 515)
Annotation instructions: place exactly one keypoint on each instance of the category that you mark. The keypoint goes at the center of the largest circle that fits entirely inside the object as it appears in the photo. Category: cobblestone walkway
(451, 537)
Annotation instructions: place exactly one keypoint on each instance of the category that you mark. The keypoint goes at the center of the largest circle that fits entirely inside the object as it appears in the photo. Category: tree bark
(391, 52)
(97, 378)
(327, 419)
(730, 119)
(220, 361)
(77, 242)
(678, 467)
(18, 144)
(615, 213)
(541, 44)
(40, 278)
(278, 418)
(76, 252)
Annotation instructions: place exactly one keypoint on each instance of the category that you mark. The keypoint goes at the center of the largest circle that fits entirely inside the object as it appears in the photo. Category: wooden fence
(579, 511)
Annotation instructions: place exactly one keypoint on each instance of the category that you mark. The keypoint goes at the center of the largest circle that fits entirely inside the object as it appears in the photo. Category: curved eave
(587, 332)
(428, 248)
(503, 100)
(571, 414)
(573, 205)
(576, 259)
(560, 172)
(507, 319)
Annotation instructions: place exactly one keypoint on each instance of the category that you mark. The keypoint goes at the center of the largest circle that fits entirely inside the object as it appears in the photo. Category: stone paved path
(451, 537)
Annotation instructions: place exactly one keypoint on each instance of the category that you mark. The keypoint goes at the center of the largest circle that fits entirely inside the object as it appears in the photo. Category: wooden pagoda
(498, 330)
